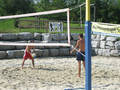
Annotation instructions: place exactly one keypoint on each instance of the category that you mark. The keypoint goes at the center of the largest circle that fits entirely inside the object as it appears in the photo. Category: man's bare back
(81, 45)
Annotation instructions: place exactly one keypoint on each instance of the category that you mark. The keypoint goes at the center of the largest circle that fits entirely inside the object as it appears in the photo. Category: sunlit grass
(7, 26)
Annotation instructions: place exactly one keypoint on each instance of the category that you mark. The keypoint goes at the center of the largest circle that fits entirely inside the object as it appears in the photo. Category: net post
(68, 25)
(88, 47)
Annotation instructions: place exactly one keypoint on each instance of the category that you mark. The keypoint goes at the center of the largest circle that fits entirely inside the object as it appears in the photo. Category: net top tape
(35, 14)
(34, 44)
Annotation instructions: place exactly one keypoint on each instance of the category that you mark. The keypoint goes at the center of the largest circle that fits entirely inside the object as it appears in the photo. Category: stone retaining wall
(105, 45)
(101, 45)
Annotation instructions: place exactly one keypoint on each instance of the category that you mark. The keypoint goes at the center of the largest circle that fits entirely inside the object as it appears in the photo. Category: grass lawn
(7, 26)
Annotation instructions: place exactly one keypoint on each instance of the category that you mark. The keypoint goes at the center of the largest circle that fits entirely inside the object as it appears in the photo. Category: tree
(17, 6)
(108, 11)
(2, 8)
(46, 5)
(42, 5)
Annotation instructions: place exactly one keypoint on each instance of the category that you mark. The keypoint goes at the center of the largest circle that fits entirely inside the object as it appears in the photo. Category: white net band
(34, 44)
(35, 14)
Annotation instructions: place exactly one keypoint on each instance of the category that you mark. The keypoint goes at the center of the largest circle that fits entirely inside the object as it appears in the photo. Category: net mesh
(49, 28)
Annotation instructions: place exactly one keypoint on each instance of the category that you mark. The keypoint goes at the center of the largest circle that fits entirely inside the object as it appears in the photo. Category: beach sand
(58, 73)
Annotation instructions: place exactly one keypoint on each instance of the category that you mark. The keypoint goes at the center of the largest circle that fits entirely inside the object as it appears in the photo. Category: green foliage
(9, 7)
(2, 8)
(108, 11)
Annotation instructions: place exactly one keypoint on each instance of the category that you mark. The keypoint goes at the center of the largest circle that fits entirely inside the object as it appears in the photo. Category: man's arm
(76, 46)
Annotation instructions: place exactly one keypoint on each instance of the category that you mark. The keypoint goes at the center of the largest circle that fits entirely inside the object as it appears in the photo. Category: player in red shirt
(27, 54)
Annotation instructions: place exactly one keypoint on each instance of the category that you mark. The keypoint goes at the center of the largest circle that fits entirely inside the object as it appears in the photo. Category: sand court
(58, 73)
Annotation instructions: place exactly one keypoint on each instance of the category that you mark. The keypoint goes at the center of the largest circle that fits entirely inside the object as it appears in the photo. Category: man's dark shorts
(80, 57)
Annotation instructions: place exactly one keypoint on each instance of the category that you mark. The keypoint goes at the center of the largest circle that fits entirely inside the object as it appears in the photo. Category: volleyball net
(48, 28)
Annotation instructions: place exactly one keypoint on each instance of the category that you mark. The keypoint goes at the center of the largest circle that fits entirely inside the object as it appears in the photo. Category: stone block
(38, 36)
(98, 37)
(15, 53)
(20, 47)
(109, 47)
(93, 52)
(64, 51)
(95, 44)
(115, 53)
(55, 37)
(96, 51)
(104, 52)
(3, 54)
(2, 47)
(102, 44)
(25, 36)
(8, 36)
(117, 45)
(59, 36)
(111, 39)
(110, 43)
(39, 52)
(64, 41)
(46, 37)
(102, 38)
(100, 52)
(62, 36)
(45, 52)
(54, 52)
(93, 37)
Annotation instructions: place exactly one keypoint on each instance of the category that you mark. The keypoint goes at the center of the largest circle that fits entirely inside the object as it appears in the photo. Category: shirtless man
(28, 55)
(81, 49)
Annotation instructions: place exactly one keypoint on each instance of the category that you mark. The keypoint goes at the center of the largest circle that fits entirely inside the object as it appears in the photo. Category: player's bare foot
(79, 75)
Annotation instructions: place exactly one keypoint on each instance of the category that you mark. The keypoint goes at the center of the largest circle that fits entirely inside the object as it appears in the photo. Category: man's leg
(79, 68)
(84, 64)
(23, 63)
(33, 62)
